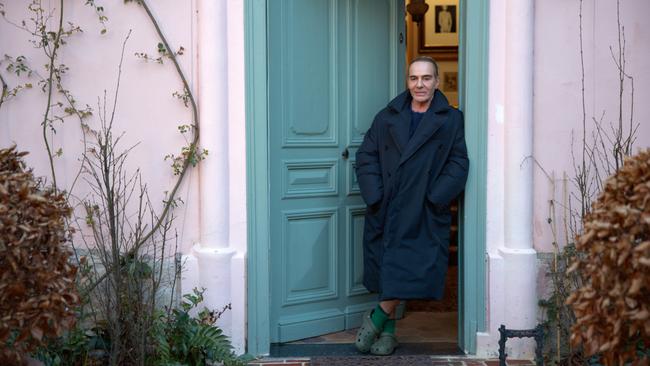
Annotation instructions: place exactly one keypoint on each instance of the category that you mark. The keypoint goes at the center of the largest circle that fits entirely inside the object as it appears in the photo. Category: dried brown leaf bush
(37, 281)
(612, 306)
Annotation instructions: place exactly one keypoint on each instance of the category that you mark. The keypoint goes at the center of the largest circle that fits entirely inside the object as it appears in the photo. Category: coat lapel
(432, 120)
(399, 129)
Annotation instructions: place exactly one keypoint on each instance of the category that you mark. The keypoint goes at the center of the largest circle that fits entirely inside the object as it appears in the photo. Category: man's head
(423, 79)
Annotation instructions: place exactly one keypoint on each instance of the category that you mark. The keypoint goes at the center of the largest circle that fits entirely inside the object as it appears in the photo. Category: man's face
(422, 81)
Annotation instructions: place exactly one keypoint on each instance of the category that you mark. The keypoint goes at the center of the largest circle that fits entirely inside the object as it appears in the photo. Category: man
(411, 165)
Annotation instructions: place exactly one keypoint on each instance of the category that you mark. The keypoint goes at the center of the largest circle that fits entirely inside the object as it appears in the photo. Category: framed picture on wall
(448, 74)
(439, 29)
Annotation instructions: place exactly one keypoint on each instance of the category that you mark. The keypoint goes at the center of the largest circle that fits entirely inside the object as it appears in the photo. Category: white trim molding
(217, 261)
(512, 260)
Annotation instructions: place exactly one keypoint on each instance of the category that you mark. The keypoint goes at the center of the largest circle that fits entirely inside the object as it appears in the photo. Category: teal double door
(332, 64)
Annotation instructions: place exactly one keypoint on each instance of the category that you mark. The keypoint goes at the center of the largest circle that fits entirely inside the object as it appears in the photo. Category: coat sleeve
(451, 180)
(369, 167)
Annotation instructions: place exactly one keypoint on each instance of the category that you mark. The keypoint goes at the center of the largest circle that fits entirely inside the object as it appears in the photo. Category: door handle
(345, 154)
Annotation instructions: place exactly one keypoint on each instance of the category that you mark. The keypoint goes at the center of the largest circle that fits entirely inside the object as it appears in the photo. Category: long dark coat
(408, 185)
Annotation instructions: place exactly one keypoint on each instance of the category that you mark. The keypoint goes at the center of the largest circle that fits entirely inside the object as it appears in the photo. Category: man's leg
(381, 320)
(382, 312)
(387, 341)
(388, 306)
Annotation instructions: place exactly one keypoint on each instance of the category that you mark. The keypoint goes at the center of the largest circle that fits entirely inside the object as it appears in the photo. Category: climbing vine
(123, 268)
(50, 41)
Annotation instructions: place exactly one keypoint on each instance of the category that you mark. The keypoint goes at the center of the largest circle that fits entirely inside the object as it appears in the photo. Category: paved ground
(415, 327)
(435, 360)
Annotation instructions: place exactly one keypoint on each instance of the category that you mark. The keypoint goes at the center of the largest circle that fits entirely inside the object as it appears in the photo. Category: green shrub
(181, 339)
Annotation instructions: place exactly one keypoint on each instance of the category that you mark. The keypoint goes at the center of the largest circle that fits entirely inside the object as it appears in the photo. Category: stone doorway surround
(473, 67)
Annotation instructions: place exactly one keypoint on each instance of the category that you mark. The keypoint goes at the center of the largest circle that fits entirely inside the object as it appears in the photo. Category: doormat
(371, 361)
(348, 349)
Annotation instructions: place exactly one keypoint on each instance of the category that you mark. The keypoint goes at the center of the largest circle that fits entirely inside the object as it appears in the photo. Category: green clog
(367, 333)
(385, 345)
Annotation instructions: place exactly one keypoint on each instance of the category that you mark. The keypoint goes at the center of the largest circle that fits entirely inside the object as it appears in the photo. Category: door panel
(370, 63)
(309, 255)
(332, 64)
(307, 53)
(309, 178)
(355, 220)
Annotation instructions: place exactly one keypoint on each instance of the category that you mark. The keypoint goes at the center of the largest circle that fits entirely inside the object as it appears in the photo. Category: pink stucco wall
(557, 88)
(146, 112)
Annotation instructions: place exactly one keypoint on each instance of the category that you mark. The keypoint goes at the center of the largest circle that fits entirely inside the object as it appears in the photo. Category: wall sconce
(417, 8)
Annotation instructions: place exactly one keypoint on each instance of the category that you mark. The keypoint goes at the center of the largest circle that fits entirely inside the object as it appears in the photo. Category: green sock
(378, 317)
(389, 326)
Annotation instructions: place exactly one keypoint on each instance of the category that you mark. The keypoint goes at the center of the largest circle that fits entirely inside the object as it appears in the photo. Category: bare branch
(5, 87)
(57, 43)
(193, 145)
